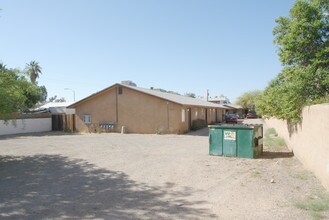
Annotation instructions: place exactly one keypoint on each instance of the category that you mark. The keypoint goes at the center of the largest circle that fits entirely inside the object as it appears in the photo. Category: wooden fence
(63, 122)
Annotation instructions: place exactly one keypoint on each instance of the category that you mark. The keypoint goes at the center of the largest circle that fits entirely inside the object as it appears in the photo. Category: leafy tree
(302, 38)
(33, 69)
(11, 97)
(17, 94)
(303, 48)
(55, 99)
(43, 93)
(248, 99)
(2, 67)
(60, 100)
(282, 99)
(190, 94)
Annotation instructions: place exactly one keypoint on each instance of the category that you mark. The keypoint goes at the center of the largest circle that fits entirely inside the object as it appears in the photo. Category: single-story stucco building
(233, 109)
(141, 110)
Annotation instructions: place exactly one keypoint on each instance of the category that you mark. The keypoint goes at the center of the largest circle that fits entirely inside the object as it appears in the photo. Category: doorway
(189, 121)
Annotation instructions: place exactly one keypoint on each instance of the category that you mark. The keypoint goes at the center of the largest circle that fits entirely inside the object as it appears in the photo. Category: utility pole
(207, 95)
(73, 93)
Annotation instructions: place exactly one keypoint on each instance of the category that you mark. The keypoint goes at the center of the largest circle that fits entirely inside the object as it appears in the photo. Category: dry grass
(273, 141)
(317, 205)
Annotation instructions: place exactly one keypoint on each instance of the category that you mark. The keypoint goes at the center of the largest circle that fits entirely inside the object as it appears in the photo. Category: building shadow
(55, 187)
(274, 155)
(200, 132)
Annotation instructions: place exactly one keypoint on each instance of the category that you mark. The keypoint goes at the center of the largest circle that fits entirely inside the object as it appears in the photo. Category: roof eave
(92, 95)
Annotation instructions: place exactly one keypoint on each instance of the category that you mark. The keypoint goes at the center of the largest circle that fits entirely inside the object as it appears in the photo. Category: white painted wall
(20, 126)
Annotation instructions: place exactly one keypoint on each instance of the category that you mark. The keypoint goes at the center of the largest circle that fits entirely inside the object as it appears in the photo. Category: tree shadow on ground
(53, 186)
(37, 134)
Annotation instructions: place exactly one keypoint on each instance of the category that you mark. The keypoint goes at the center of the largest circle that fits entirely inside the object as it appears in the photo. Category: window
(87, 119)
(120, 90)
(183, 115)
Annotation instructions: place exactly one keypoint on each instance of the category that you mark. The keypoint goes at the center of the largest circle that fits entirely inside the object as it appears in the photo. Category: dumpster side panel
(215, 141)
(245, 143)
(258, 137)
(230, 142)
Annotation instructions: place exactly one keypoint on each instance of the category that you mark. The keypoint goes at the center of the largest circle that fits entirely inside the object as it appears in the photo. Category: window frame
(183, 115)
(86, 116)
(120, 90)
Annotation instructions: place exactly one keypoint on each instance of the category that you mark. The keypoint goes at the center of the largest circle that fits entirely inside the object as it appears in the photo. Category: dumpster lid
(242, 126)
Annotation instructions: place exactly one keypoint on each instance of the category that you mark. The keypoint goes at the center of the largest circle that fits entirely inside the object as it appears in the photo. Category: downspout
(116, 107)
(216, 119)
(168, 116)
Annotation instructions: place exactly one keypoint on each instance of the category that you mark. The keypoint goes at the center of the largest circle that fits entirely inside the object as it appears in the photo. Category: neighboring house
(55, 107)
(62, 117)
(233, 109)
(230, 108)
(219, 100)
(141, 110)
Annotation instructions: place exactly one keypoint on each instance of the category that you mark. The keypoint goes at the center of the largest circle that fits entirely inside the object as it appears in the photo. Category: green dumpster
(236, 141)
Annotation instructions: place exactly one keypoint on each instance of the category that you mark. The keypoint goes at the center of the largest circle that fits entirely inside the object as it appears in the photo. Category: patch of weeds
(67, 130)
(275, 142)
(157, 131)
(255, 173)
(270, 132)
(317, 216)
(301, 176)
(272, 140)
(316, 205)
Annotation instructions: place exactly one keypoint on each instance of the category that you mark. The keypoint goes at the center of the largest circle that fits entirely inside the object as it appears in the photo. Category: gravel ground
(132, 176)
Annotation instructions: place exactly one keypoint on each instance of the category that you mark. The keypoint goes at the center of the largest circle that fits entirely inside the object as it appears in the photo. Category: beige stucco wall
(198, 113)
(137, 112)
(102, 109)
(211, 115)
(142, 113)
(310, 140)
(220, 113)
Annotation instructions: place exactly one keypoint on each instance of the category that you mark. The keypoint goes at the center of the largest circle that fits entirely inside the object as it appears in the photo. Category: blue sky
(183, 46)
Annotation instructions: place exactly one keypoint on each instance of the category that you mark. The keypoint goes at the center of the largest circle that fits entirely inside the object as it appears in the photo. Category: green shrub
(197, 124)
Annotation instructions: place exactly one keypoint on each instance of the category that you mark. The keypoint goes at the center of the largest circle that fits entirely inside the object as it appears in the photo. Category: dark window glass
(120, 90)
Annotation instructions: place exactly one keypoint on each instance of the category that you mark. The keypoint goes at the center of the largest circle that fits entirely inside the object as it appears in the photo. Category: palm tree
(34, 70)
(2, 66)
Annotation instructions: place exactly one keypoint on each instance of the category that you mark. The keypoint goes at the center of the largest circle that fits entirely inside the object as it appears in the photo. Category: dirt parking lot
(130, 176)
